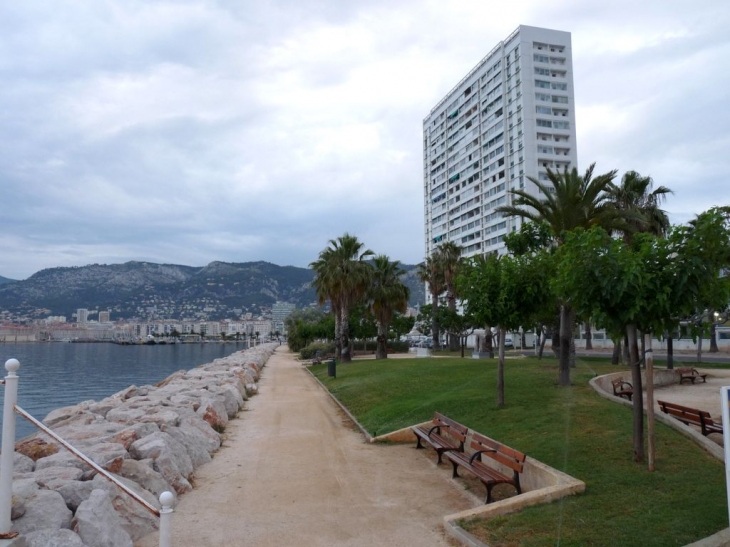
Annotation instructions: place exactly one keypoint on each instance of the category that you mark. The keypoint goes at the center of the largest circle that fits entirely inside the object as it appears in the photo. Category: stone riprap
(152, 438)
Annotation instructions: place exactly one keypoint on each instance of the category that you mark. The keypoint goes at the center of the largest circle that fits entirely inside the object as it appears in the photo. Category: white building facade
(511, 117)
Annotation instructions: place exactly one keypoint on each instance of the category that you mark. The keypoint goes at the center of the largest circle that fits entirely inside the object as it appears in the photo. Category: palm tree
(342, 276)
(640, 205)
(387, 294)
(571, 201)
(634, 198)
(448, 258)
(429, 272)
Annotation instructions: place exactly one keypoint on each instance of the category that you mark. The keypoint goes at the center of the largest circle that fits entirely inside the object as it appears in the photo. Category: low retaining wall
(602, 385)
(540, 484)
(662, 377)
(152, 438)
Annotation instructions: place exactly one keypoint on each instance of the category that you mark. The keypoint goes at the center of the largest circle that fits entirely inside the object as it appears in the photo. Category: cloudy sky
(191, 131)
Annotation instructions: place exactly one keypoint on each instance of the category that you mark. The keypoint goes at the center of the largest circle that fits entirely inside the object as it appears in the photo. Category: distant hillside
(4, 280)
(146, 290)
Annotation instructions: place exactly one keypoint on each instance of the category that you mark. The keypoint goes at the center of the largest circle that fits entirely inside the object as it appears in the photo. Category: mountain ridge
(148, 290)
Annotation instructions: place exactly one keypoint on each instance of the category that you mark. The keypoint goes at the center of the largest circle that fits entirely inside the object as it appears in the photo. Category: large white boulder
(98, 524)
(135, 518)
(43, 509)
(54, 538)
(170, 457)
(143, 473)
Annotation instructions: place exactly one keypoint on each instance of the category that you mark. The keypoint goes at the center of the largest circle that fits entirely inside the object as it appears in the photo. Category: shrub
(325, 349)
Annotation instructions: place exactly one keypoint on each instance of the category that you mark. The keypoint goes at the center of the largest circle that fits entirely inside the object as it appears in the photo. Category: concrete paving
(294, 471)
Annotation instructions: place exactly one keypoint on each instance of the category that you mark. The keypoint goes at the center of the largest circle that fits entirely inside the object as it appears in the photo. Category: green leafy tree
(642, 286)
(457, 325)
(570, 201)
(447, 257)
(401, 325)
(430, 272)
(342, 276)
(640, 207)
(387, 295)
(709, 235)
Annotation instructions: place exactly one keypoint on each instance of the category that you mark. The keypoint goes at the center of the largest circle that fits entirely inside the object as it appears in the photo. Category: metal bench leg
(489, 493)
(455, 474)
(418, 445)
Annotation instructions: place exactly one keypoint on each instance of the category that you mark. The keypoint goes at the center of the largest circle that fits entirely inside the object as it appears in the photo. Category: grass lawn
(571, 429)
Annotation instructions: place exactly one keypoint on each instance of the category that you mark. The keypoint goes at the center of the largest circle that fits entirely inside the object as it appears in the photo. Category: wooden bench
(690, 374)
(443, 434)
(622, 388)
(691, 416)
(490, 476)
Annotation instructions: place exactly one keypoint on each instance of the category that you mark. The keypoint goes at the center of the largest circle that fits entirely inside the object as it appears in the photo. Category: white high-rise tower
(511, 117)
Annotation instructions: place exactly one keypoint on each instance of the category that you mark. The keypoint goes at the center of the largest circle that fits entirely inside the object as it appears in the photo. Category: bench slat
(488, 475)
(691, 416)
(443, 434)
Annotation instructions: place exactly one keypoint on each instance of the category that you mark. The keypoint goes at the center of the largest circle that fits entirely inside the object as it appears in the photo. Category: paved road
(294, 472)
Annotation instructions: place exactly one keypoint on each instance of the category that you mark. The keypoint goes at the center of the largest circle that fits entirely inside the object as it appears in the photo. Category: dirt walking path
(294, 471)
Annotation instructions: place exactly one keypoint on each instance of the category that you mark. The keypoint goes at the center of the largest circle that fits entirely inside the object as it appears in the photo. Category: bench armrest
(436, 428)
(478, 454)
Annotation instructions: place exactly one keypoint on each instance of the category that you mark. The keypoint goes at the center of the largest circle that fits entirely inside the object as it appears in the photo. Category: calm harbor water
(57, 374)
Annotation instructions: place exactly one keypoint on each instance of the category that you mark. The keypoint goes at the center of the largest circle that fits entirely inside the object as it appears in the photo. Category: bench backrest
(686, 413)
(455, 429)
(501, 453)
(621, 385)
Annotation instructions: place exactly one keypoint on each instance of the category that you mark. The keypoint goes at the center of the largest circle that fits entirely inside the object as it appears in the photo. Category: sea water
(57, 374)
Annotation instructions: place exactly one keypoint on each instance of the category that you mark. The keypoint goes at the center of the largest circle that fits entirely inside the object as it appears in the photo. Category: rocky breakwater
(151, 438)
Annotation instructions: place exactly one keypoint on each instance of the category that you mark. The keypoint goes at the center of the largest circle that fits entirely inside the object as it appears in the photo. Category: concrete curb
(559, 484)
(721, 538)
(368, 437)
(712, 448)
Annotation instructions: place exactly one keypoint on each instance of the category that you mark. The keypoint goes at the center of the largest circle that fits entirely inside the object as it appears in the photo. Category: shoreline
(152, 438)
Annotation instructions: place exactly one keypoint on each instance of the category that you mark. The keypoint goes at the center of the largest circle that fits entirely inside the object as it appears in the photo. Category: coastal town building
(82, 315)
(511, 117)
(279, 312)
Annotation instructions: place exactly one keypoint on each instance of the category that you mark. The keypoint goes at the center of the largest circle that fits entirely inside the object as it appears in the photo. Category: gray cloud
(186, 132)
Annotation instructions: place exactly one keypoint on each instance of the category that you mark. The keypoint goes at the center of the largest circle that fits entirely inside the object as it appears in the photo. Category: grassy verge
(571, 429)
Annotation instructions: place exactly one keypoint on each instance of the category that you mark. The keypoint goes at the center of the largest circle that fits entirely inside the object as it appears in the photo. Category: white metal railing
(10, 408)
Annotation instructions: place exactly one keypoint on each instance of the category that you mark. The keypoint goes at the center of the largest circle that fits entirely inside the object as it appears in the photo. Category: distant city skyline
(185, 133)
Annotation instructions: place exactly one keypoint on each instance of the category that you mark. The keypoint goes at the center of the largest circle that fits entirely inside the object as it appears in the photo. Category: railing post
(8, 445)
(166, 501)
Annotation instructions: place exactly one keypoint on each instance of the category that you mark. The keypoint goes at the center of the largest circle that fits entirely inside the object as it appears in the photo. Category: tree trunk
(643, 351)
(346, 356)
(566, 334)
(542, 344)
(489, 341)
(555, 342)
(463, 345)
(338, 335)
(435, 332)
(627, 356)
(500, 369)
(381, 350)
(637, 399)
(713, 338)
(649, 365)
(699, 346)
(670, 351)
(589, 336)
(571, 357)
(616, 356)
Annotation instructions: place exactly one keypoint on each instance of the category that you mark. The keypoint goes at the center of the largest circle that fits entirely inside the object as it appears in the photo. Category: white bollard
(8, 445)
(166, 500)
